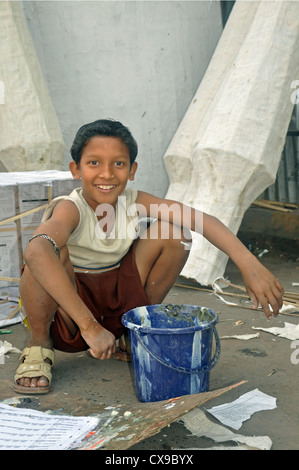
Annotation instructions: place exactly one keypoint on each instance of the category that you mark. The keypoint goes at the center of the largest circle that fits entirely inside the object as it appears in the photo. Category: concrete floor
(265, 363)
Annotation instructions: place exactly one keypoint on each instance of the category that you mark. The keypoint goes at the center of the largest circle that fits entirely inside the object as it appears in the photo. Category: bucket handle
(204, 368)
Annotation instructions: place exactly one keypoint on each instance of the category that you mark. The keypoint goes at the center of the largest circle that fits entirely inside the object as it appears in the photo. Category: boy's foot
(33, 375)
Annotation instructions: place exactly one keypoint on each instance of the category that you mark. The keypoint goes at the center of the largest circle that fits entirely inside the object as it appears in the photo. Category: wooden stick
(194, 288)
(212, 292)
(14, 229)
(228, 283)
(9, 279)
(273, 207)
(18, 226)
(19, 216)
(290, 299)
(13, 313)
(278, 203)
(292, 295)
(286, 299)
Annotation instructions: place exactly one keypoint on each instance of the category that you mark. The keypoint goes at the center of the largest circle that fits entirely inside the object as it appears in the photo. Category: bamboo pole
(288, 298)
(23, 214)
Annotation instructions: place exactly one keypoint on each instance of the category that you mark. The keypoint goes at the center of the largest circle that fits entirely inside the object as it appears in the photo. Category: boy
(83, 271)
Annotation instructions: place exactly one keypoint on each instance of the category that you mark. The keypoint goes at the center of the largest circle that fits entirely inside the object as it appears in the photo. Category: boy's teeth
(105, 186)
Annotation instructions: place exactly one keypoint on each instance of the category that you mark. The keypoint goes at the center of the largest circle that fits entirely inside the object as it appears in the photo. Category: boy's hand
(100, 340)
(263, 288)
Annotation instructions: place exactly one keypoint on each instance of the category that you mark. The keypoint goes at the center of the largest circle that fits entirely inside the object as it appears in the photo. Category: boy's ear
(133, 170)
(74, 170)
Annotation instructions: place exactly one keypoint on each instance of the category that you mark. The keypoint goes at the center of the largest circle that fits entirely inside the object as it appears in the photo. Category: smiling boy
(89, 276)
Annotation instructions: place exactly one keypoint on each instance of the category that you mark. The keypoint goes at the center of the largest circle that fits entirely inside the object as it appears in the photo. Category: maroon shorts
(108, 296)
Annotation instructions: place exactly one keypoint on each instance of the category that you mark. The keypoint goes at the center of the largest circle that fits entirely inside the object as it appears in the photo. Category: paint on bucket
(171, 348)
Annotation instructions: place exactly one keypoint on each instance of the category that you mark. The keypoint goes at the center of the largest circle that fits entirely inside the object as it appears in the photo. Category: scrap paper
(199, 424)
(242, 337)
(26, 429)
(289, 331)
(6, 347)
(5, 311)
(233, 414)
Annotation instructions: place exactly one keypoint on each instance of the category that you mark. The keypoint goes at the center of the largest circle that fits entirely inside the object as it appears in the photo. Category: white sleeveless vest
(89, 248)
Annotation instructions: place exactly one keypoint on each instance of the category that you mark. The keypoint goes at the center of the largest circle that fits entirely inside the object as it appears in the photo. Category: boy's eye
(119, 163)
(94, 162)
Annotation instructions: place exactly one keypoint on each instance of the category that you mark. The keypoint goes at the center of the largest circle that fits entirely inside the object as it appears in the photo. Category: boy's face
(104, 170)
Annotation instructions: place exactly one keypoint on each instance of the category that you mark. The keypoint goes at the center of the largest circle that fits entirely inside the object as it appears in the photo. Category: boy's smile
(104, 169)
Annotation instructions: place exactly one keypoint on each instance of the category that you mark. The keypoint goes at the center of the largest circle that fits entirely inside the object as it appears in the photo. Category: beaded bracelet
(44, 235)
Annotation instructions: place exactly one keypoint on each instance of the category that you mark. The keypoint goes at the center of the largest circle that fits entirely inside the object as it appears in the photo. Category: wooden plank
(119, 431)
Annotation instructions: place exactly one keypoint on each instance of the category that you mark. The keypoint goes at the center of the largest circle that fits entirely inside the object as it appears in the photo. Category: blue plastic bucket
(171, 347)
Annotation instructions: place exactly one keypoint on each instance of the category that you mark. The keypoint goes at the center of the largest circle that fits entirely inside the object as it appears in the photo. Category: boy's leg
(40, 309)
(161, 254)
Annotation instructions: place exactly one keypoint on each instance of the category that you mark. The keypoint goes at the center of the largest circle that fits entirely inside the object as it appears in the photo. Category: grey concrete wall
(138, 62)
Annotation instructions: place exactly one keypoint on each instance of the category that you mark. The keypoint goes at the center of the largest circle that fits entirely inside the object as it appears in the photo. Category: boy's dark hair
(103, 127)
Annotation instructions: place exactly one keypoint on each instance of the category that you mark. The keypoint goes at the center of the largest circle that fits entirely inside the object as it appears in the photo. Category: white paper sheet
(26, 429)
(6, 347)
(5, 310)
(242, 337)
(289, 331)
(233, 414)
(198, 423)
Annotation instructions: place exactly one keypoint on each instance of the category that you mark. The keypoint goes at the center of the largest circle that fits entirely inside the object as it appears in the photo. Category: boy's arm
(262, 287)
(52, 276)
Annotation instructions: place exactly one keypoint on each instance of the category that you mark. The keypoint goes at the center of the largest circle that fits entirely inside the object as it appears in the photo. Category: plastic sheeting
(228, 147)
(30, 136)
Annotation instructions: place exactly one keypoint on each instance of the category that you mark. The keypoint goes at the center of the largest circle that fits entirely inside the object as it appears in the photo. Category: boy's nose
(105, 171)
